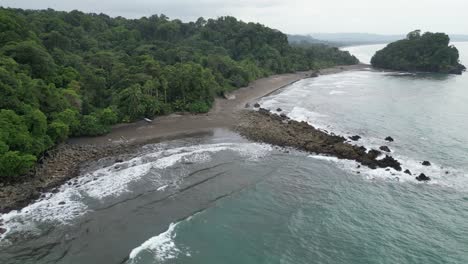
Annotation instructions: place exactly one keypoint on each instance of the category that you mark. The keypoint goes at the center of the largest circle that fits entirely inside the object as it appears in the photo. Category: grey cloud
(292, 16)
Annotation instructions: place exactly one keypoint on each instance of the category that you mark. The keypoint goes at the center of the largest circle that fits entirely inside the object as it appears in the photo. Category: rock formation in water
(429, 52)
(278, 130)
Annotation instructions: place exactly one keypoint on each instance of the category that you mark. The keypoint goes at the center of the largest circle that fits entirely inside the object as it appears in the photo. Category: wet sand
(67, 160)
(223, 114)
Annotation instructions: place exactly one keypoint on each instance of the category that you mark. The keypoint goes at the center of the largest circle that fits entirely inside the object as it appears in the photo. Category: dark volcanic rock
(389, 139)
(279, 110)
(118, 160)
(355, 138)
(283, 115)
(264, 111)
(426, 163)
(423, 177)
(61, 203)
(2, 230)
(374, 153)
(267, 127)
(408, 172)
(256, 105)
(385, 148)
(247, 105)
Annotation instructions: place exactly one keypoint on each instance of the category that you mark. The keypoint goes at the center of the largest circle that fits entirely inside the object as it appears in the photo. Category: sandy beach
(223, 114)
(67, 160)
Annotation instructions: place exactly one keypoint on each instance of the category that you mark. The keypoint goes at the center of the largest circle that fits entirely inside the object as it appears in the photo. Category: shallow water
(234, 201)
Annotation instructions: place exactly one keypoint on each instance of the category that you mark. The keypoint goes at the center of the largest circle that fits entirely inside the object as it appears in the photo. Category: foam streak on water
(77, 197)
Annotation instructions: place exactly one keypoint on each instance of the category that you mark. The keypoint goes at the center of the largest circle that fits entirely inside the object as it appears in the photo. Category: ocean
(218, 198)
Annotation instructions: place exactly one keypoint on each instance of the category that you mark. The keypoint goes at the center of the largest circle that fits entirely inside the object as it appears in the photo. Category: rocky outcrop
(389, 139)
(408, 172)
(270, 128)
(58, 166)
(355, 138)
(426, 163)
(423, 177)
(385, 148)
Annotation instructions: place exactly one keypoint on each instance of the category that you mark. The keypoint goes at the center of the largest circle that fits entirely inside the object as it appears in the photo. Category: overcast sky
(290, 16)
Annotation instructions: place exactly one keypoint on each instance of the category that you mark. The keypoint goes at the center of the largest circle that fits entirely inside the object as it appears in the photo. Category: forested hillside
(71, 74)
(428, 52)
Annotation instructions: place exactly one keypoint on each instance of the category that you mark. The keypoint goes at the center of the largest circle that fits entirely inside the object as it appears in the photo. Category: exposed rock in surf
(408, 172)
(264, 111)
(118, 160)
(283, 115)
(385, 148)
(61, 203)
(247, 105)
(389, 139)
(355, 138)
(279, 109)
(2, 230)
(426, 163)
(446, 172)
(267, 127)
(374, 153)
(423, 177)
(256, 105)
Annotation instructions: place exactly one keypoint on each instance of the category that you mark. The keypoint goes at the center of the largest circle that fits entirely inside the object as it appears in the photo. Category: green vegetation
(73, 74)
(429, 52)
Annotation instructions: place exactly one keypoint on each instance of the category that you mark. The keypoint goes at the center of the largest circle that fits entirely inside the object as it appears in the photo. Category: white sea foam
(454, 179)
(162, 247)
(335, 92)
(72, 199)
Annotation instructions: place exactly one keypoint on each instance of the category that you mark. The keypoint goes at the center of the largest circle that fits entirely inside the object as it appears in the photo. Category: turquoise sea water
(234, 201)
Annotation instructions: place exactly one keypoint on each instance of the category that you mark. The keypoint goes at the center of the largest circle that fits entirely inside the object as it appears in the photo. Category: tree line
(68, 74)
(428, 52)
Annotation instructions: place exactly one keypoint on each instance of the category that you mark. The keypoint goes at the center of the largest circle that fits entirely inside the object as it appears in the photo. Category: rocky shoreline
(65, 161)
(267, 127)
(57, 167)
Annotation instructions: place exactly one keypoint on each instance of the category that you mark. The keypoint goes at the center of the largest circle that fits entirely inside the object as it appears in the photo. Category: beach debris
(355, 138)
(314, 74)
(385, 148)
(408, 172)
(426, 163)
(147, 120)
(229, 96)
(389, 139)
(423, 177)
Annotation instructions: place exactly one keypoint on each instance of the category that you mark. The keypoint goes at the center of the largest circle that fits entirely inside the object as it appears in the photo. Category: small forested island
(68, 74)
(429, 52)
